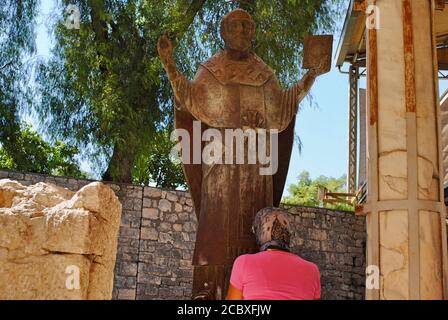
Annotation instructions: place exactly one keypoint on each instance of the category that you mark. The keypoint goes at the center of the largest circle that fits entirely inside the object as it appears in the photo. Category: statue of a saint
(234, 89)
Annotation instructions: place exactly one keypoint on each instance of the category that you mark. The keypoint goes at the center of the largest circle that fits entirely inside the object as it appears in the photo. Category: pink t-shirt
(275, 275)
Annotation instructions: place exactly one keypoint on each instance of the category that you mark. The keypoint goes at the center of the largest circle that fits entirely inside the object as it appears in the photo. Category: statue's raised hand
(165, 48)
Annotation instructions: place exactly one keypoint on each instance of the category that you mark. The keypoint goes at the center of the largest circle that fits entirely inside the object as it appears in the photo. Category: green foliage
(22, 148)
(305, 191)
(103, 85)
(32, 154)
(16, 44)
(104, 89)
(280, 29)
(156, 165)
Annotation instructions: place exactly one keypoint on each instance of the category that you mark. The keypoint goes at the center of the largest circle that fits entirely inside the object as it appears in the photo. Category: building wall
(158, 232)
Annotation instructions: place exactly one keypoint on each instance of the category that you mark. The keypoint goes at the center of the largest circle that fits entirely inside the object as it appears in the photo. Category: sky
(322, 130)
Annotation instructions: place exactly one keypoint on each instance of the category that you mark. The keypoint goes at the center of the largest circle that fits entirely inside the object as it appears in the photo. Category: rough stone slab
(49, 234)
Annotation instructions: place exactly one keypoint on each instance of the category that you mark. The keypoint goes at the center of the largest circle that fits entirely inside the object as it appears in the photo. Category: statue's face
(238, 34)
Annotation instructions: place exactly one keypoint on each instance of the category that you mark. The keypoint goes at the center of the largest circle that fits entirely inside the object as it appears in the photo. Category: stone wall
(335, 241)
(158, 231)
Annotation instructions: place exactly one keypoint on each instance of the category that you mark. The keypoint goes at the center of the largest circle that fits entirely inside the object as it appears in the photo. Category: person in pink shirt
(274, 273)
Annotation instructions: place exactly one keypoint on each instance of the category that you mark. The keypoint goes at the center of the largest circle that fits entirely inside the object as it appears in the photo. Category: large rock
(51, 237)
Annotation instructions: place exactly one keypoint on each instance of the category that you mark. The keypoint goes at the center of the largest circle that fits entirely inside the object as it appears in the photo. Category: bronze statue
(233, 89)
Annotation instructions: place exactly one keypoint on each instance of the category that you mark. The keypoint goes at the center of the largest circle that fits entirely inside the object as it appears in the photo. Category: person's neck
(237, 55)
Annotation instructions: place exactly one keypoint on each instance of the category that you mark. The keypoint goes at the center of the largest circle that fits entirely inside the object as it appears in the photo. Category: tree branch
(99, 27)
(190, 14)
(6, 65)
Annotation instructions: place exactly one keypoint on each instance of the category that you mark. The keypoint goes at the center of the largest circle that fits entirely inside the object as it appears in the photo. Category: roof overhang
(352, 44)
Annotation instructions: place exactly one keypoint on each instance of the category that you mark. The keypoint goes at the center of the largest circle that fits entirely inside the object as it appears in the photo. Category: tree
(304, 193)
(105, 86)
(156, 165)
(21, 148)
(40, 157)
(16, 45)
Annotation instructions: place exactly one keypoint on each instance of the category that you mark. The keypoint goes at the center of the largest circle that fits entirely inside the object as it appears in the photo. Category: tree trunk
(121, 164)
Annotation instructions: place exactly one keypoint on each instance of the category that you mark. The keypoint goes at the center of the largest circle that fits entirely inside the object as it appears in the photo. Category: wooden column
(405, 210)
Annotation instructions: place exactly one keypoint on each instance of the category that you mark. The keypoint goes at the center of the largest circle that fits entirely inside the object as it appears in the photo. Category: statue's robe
(227, 94)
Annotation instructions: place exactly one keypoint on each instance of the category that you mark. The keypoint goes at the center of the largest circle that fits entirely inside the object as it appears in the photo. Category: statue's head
(237, 30)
